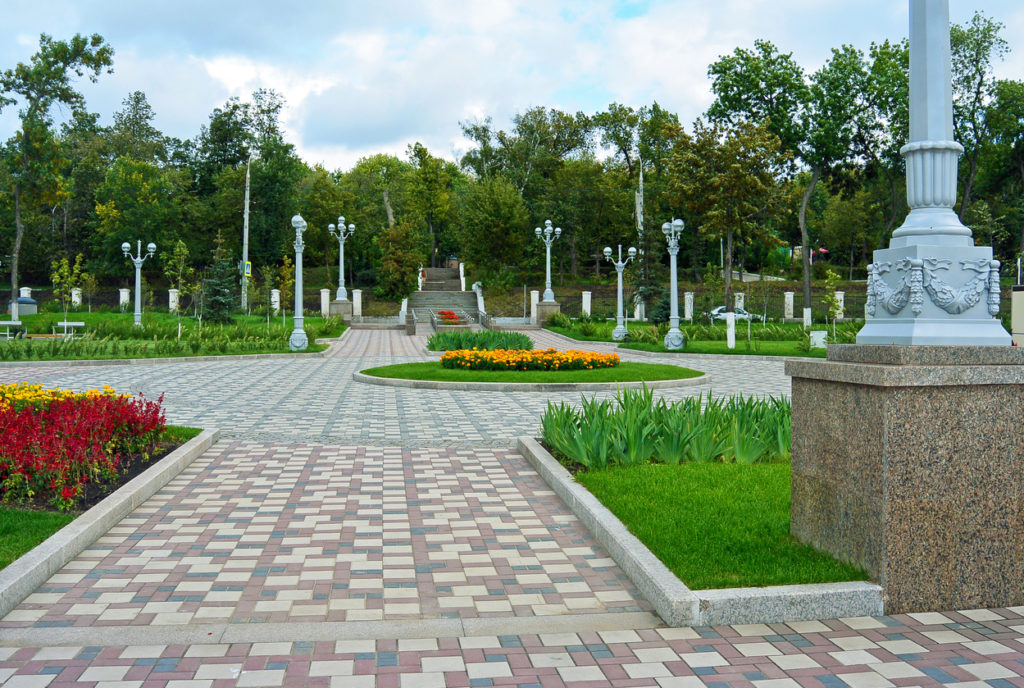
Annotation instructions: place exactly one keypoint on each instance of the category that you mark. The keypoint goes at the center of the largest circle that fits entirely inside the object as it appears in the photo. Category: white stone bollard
(76, 297)
(25, 291)
(124, 299)
(741, 300)
(807, 318)
(688, 306)
(841, 299)
(172, 300)
(275, 300)
(534, 300)
(357, 303)
(325, 302)
(638, 312)
(585, 309)
(730, 330)
(788, 308)
(402, 311)
(818, 339)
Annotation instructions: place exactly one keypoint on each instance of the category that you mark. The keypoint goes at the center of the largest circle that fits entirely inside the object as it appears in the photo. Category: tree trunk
(387, 209)
(19, 234)
(972, 170)
(805, 258)
(574, 266)
(433, 243)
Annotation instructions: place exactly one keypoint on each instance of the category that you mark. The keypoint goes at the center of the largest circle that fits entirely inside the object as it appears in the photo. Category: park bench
(7, 325)
(69, 325)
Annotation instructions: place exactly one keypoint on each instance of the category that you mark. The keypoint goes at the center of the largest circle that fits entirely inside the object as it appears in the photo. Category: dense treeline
(782, 158)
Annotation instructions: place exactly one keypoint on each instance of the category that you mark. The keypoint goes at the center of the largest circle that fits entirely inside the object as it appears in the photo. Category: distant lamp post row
(138, 259)
(341, 232)
(674, 339)
(620, 331)
(548, 236)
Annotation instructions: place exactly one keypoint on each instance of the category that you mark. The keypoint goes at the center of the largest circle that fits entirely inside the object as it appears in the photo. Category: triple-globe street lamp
(620, 331)
(298, 339)
(674, 339)
(341, 232)
(138, 259)
(548, 236)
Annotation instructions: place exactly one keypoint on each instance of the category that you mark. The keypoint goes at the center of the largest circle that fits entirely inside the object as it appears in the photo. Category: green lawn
(624, 372)
(756, 348)
(23, 529)
(716, 525)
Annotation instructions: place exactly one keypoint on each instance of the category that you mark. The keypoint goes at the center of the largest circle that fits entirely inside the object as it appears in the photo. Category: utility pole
(245, 240)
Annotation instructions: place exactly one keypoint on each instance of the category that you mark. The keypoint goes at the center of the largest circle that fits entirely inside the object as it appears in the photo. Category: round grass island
(431, 375)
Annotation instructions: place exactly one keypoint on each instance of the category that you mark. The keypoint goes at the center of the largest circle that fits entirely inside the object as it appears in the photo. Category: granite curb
(672, 599)
(716, 357)
(174, 359)
(33, 569)
(884, 375)
(529, 386)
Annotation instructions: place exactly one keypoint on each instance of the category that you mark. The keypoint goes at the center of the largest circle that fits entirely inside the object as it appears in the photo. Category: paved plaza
(342, 534)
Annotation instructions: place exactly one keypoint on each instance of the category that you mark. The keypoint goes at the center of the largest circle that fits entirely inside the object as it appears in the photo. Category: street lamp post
(341, 234)
(245, 238)
(138, 259)
(548, 235)
(674, 339)
(620, 331)
(298, 340)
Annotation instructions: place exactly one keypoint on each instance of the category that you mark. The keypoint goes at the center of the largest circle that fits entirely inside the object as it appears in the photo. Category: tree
(1006, 120)
(133, 134)
(285, 283)
(727, 177)
(431, 193)
(179, 273)
(973, 49)
(66, 277)
(32, 154)
(494, 226)
(220, 292)
(401, 257)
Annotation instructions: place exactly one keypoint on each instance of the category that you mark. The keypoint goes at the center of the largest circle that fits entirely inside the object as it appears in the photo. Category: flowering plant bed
(537, 359)
(448, 317)
(60, 447)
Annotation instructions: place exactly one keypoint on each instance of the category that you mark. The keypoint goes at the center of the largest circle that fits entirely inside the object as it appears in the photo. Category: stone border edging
(359, 376)
(172, 359)
(672, 599)
(716, 357)
(34, 568)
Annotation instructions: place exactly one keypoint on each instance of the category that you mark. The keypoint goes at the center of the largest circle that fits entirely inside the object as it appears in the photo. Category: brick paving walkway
(343, 535)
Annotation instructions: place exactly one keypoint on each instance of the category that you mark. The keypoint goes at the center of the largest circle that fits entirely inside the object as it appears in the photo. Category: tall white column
(357, 303)
(932, 286)
(534, 299)
(275, 300)
(787, 309)
(124, 298)
(325, 302)
(741, 300)
(688, 305)
(841, 302)
(76, 297)
(172, 300)
(585, 308)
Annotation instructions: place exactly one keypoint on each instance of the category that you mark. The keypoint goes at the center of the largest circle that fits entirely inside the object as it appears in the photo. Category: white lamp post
(138, 259)
(674, 338)
(341, 234)
(620, 331)
(548, 235)
(245, 237)
(298, 340)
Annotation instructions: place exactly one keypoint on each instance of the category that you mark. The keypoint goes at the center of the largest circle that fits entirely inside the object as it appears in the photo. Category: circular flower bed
(537, 359)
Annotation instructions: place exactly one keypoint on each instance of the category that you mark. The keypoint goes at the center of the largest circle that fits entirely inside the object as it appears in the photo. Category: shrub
(558, 320)
(484, 339)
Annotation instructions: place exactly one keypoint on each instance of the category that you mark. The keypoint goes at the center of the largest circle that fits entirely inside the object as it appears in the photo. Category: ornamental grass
(537, 359)
(57, 443)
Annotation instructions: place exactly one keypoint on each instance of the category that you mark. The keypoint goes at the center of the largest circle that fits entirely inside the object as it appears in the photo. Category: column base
(340, 309)
(545, 310)
(298, 340)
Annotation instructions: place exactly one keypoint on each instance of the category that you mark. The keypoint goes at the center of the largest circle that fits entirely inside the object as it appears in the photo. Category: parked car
(741, 314)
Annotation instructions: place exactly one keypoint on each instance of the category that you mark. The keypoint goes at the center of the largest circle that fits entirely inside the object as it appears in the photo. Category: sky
(372, 77)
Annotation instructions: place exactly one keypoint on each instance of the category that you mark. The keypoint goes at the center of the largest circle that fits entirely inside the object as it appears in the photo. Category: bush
(558, 320)
(485, 340)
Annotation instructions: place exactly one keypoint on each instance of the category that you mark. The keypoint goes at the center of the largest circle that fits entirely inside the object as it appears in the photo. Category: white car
(741, 314)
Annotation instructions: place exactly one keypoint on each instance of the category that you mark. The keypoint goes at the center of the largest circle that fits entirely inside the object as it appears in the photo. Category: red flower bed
(448, 317)
(51, 451)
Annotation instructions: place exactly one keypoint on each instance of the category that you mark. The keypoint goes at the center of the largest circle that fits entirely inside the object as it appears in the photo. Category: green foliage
(452, 340)
(178, 272)
(220, 294)
(401, 257)
(286, 281)
(558, 319)
(494, 227)
(636, 430)
(66, 277)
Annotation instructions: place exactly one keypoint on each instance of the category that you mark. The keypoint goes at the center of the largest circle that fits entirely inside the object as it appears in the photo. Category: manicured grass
(624, 372)
(756, 348)
(23, 529)
(716, 525)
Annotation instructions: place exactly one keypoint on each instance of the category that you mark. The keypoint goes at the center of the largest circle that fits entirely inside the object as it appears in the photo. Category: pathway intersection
(342, 534)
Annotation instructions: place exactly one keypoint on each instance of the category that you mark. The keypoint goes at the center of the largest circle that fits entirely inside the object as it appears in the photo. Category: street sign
(248, 268)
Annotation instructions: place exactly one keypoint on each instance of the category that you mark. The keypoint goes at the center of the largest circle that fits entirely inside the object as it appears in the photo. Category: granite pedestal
(909, 462)
(341, 309)
(545, 309)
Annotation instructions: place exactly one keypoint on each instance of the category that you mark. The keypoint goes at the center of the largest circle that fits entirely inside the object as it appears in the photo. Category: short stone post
(741, 300)
(401, 311)
(534, 299)
(462, 276)
(585, 308)
(25, 291)
(807, 318)
(325, 301)
(841, 303)
(688, 305)
(124, 299)
(76, 297)
(357, 303)
(638, 311)
(730, 330)
(172, 300)
(1017, 315)
(787, 312)
(275, 300)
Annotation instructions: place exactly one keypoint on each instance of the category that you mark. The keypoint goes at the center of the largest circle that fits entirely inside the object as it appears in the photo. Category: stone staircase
(425, 302)
(442, 279)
